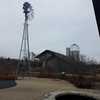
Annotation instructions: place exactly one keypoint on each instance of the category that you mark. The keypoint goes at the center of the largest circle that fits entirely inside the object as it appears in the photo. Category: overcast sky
(56, 25)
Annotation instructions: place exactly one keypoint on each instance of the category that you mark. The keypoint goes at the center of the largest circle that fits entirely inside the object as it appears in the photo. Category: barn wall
(57, 65)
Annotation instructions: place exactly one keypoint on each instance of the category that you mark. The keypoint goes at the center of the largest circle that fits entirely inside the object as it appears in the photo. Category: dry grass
(34, 89)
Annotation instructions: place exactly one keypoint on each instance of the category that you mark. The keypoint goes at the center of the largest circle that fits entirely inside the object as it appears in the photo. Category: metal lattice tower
(24, 66)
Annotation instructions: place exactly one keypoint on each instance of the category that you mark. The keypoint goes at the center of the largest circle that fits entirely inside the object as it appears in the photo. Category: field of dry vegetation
(34, 89)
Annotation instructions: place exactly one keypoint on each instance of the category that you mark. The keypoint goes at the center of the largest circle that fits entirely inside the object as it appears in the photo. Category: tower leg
(24, 66)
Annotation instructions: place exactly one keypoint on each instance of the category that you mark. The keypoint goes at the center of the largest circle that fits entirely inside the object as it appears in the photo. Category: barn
(54, 62)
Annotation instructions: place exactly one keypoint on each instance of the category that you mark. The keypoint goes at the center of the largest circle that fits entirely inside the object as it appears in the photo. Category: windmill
(24, 65)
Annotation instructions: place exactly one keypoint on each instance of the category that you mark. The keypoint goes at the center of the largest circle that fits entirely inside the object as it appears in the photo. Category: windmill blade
(96, 4)
(28, 10)
(31, 14)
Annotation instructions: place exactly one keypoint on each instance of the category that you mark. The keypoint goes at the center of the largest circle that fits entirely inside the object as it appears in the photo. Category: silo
(67, 51)
(75, 52)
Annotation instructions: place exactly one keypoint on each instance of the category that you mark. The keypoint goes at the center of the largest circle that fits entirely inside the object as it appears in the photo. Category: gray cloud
(56, 25)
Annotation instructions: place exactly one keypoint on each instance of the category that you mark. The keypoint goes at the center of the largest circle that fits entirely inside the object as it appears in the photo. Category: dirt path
(34, 89)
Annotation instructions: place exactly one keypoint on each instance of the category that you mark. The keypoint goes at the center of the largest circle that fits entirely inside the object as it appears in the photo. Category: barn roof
(50, 53)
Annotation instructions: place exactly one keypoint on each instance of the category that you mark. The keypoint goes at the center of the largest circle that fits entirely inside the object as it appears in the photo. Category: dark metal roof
(58, 55)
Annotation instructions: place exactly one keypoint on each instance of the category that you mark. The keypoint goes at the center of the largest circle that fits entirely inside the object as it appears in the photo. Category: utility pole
(24, 65)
